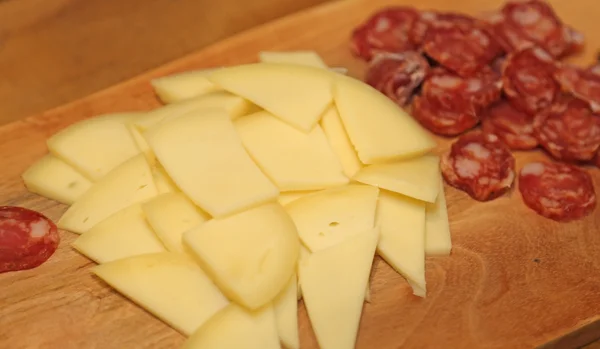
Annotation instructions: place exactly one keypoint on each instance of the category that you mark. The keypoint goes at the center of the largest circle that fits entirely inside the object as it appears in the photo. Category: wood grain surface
(514, 279)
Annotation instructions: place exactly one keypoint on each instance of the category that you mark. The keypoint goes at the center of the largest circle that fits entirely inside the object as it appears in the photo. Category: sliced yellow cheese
(164, 183)
(237, 328)
(292, 159)
(169, 285)
(333, 288)
(171, 215)
(129, 183)
(205, 158)
(286, 315)
(418, 178)
(297, 94)
(306, 58)
(438, 240)
(402, 241)
(95, 146)
(178, 87)
(250, 255)
(55, 179)
(331, 216)
(291, 196)
(124, 234)
(338, 138)
(379, 129)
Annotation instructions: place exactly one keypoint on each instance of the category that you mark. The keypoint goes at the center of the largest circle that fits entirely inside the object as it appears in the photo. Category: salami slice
(513, 127)
(557, 191)
(443, 122)
(569, 130)
(389, 30)
(528, 80)
(582, 83)
(27, 239)
(480, 165)
(397, 75)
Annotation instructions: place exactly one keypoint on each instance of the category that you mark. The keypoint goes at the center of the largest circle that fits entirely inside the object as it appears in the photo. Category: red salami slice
(528, 80)
(388, 30)
(480, 165)
(27, 238)
(440, 121)
(513, 127)
(557, 191)
(397, 75)
(584, 84)
(569, 130)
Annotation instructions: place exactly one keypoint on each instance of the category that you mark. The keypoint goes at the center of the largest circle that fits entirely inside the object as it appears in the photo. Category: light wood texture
(514, 280)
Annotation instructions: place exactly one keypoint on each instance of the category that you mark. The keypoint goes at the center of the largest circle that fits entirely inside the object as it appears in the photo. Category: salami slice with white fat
(397, 75)
(528, 80)
(480, 165)
(569, 130)
(27, 238)
(558, 191)
(443, 122)
(512, 126)
(582, 83)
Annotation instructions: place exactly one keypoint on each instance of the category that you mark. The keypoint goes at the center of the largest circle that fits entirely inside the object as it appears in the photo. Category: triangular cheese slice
(438, 240)
(181, 86)
(305, 58)
(338, 138)
(402, 241)
(286, 315)
(333, 288)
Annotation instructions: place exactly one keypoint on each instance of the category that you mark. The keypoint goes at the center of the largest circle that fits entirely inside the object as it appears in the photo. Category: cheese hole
(334, 224)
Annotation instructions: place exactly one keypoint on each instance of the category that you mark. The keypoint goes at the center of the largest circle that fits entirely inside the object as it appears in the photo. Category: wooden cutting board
(514, 279)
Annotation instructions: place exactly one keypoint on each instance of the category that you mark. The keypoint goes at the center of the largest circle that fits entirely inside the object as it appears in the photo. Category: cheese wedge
(331, 216)
(418, 178)
(237, 328)
(170, 215)
(55, 179)
(251, 255)
(402, 241)
(129, 183)
(164, 183)
(297, 94)
(305, 58)
(333, 288)
(204, 156)
(286, 315)
(338, 138)
(95, 146)
(169, 285)
(182, 86)
(379, 130)
(124, 234)
(292, 159)
(291, 196)
(438, 240)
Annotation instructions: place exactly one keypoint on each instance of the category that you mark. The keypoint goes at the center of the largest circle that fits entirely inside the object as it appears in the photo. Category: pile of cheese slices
(252, 187)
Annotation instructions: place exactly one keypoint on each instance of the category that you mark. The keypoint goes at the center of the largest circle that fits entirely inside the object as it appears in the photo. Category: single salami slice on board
(512, 126)
(480, 165)
(569, 130)
(397, 75)
(388, 30)
(557, 191)
(582, 83)
(27, 238)
(528, 80)
(444, 122)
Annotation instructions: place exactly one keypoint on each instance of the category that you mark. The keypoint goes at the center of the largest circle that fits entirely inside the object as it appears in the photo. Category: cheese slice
(237, 328)
(124, 234)
(297, 94)
(286, 315)
(331, 216)
(56, 180)
(338, 138)
(305, 58)
(292, 159)
(178, 87)
(129, 183)
(291, 196)
(95, 146)
(169, 285)
(402, 241)
(418, 178)
(164, 183)
(204, 156)
(333, 288)
(250, 255)
(140, 141)
(171, 215)
(379, 129)
(438, 240)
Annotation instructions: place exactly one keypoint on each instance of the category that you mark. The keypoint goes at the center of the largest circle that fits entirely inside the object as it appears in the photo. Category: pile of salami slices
(497, 83)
